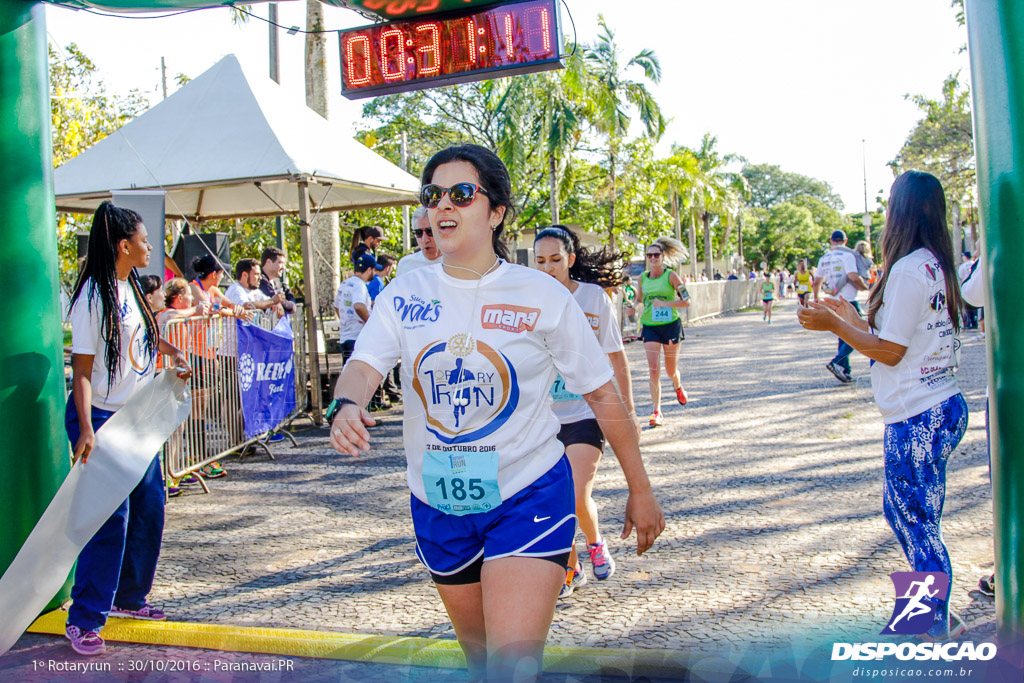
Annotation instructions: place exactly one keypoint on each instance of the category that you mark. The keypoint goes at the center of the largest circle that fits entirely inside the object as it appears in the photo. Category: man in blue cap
(838, 276)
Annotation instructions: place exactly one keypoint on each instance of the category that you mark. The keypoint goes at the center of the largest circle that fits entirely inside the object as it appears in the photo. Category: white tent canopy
(229, 144)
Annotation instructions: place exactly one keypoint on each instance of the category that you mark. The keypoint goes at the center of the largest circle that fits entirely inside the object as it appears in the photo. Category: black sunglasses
(419, 232)
(653, 254)
(461, 194)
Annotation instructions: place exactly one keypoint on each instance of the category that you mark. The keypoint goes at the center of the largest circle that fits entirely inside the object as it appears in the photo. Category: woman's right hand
(844, 309)
(203, 309)
(643, 513)
(86, 442)
(348, 432)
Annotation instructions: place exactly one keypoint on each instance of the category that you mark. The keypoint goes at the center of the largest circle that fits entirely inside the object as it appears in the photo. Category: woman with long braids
(481, 342)
(660, 295)
(114, 342)
(912, 335)
(558, 252)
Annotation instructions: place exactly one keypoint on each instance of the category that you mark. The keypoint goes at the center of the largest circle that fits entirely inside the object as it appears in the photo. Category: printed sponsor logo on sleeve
(515, 319)
(594, 320)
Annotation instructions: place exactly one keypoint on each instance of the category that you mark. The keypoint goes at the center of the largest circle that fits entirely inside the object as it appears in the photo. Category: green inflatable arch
(33, 449)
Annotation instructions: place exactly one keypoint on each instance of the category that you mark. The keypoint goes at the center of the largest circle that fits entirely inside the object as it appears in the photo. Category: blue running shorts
(538, 521)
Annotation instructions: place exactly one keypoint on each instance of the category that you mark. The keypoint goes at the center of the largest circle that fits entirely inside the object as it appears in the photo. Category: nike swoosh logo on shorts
(540, 519)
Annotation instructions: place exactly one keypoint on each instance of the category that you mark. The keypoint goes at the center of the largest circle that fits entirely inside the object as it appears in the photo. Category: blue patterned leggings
(916, 451)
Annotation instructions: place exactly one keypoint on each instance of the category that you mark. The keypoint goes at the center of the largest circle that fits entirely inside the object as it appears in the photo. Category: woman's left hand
(179, 361)
(644, 513)
(818, 316)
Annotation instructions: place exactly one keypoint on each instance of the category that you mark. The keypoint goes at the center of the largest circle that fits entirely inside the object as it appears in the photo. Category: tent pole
(34, 452)
(312, 306)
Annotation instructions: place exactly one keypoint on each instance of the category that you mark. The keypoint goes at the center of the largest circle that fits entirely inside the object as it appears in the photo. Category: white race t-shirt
(597, 307)
(238, 294)
(971, 286)
(351, 292)
(136, 365)
(914, 314)
(414, 261)
(478, 361)
(833, 268)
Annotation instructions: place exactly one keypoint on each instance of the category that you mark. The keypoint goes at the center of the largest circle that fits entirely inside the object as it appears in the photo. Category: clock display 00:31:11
(378, 57)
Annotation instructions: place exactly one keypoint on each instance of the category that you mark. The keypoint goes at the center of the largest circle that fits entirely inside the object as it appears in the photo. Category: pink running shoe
(86, 643)
(600, 560)
(146, 612)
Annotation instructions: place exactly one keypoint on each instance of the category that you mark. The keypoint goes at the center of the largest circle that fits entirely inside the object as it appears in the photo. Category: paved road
(770, 480)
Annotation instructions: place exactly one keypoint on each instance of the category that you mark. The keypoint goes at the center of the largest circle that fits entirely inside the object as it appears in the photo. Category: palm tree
(611, 94)
(713, 194)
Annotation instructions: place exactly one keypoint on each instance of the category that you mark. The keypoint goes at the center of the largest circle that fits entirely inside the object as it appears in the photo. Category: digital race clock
(399, 56)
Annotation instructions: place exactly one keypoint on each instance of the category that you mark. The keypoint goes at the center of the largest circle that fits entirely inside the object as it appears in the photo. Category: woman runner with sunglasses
(558, 252)
(481, 342)
(661, 293)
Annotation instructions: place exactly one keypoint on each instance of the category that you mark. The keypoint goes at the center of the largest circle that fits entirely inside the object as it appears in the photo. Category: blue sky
(797, 83)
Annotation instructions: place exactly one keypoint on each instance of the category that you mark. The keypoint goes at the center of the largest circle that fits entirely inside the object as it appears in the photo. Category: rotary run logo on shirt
(468, 388)
(139, 354)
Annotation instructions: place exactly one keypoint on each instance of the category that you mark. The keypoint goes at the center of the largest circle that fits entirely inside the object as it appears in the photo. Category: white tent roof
(210, 143)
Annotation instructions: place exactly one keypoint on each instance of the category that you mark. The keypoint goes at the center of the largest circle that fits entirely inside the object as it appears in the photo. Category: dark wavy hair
(494, 178)
(360, 234)
(205, 264)
(600, 267)
(916, 219)
(110, 225)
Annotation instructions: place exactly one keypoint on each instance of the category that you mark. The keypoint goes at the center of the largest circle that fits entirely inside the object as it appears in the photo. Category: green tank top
(658, 289)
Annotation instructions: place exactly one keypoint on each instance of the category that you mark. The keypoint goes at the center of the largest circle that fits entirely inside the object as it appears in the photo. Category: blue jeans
(842, 358)
(118, 564)
(916, 451)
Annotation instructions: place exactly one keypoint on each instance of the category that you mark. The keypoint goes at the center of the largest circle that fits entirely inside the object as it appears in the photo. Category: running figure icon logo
(916, 600)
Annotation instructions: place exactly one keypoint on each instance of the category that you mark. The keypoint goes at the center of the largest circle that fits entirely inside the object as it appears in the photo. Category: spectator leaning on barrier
(246, 290)
(272, 263)
(353, 304)
(428, 253)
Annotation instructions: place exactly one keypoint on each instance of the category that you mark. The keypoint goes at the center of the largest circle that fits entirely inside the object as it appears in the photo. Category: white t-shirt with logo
(136, 365)
(833, 268)
(478, 361)
(914, 314)
(413, 261)
(600, 313)
(238, 294)
(351, 292)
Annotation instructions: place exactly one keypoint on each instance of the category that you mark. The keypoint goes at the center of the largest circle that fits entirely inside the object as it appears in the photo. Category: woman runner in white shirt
(911, 334)
(481, 342)
(559, 253)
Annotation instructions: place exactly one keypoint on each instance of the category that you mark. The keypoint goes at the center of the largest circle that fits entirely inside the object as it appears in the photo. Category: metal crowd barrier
(215, 428)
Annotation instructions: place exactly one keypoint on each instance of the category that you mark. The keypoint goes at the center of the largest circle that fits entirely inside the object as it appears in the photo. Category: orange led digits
(451, 47)
(538, 25)
(430, 62)
(389, 56)
(362, 60)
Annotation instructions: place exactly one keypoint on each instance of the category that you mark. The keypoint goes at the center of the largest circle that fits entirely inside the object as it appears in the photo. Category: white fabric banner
(125, 447)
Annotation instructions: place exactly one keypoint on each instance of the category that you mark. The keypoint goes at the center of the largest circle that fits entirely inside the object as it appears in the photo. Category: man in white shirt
(353, 304)
(837, 274)
(246, 289)
(428, 254)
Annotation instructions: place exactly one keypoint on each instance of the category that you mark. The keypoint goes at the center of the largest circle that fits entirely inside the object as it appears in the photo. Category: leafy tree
(770, 185)
(785, 232)
(942, 143)
(610, 97)
(81, 114)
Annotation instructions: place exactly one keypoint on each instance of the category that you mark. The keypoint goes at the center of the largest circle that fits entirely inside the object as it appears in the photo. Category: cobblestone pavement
(770, 480)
